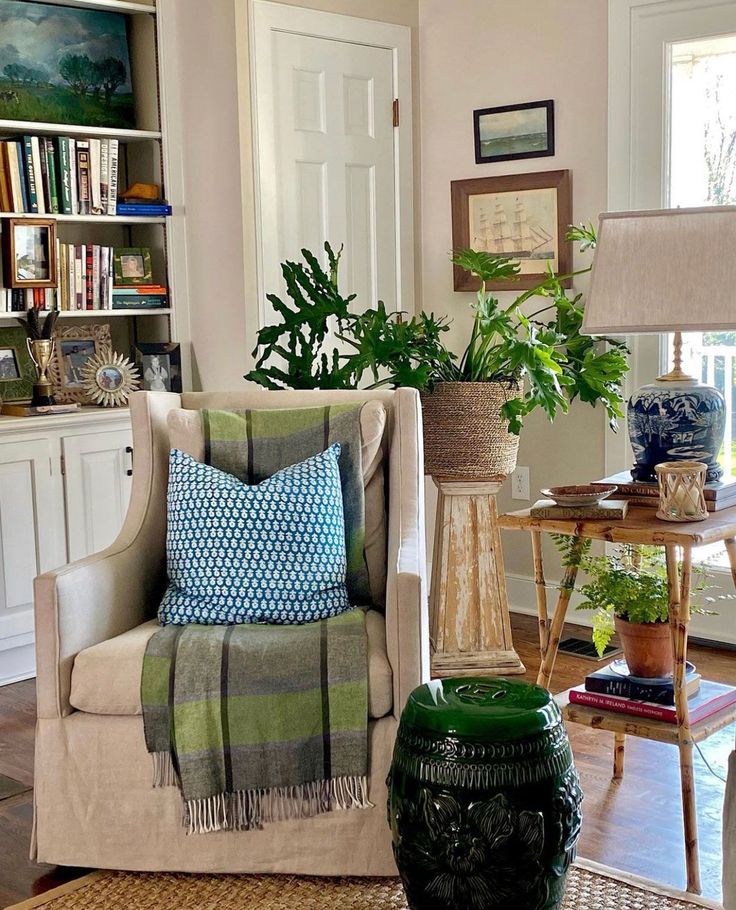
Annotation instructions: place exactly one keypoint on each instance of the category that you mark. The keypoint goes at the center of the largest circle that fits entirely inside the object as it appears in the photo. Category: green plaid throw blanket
(259, 723)
(253, 445)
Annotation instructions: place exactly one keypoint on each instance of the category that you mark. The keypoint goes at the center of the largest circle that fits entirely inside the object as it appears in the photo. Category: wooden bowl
(580, 495)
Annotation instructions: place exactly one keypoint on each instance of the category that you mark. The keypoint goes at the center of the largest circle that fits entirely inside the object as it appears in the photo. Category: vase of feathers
(40, 343)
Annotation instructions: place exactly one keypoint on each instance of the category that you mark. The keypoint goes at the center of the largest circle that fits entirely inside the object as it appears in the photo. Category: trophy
(41, 348)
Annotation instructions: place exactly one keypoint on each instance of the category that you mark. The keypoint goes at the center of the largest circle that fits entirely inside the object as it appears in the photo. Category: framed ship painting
(63, 64)
(522, 216)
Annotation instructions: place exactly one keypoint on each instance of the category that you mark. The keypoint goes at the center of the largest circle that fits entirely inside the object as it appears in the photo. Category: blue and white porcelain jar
(680, 420)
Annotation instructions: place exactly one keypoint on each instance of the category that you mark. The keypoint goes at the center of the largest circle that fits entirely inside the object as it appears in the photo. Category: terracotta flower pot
(465, 437)
(647, 647)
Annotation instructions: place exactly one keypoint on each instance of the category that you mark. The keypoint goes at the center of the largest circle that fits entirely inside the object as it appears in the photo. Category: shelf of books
(84, 218)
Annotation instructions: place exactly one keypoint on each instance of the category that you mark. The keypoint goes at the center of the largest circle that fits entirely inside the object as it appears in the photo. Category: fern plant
(630, 583)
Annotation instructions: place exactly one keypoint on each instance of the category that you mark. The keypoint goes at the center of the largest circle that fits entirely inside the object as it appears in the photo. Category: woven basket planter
(465, 437)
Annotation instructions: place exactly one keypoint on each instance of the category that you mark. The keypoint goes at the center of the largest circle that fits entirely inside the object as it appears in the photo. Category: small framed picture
(514, 131)
(29, 253)
(524, 217)
(75, 345)
(160, 366)
(133, 266)
(17, 370)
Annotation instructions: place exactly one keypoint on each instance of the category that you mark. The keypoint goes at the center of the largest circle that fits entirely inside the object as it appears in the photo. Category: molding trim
(19, 661)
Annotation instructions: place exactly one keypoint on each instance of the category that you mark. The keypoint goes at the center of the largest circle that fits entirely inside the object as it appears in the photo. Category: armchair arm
(407, 621)
(96, 598)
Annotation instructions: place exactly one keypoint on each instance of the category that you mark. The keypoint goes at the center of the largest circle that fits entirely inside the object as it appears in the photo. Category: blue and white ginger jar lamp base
(676, 419)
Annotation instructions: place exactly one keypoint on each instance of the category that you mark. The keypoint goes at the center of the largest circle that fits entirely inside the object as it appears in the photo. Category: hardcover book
(610, 509)
(612, 681)
(716, 491)
(709, 700)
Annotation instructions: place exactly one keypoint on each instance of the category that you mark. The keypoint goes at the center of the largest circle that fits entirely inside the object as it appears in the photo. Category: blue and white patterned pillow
(273, 552)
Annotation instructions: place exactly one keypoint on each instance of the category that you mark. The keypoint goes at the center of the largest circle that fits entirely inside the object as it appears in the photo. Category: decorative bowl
(581, 495)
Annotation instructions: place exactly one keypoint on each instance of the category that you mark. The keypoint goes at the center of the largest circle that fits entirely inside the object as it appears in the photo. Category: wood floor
(635, 825)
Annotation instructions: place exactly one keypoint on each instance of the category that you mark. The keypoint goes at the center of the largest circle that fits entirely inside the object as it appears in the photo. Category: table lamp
(668, 271)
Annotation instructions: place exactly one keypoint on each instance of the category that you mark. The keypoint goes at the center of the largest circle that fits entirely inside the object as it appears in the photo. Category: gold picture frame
(75, 345)
(29, 253)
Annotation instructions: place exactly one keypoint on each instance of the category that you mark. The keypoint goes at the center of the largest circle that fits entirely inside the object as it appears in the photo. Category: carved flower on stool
(469, 856)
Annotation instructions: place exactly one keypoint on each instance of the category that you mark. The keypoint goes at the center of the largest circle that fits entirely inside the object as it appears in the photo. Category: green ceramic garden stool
(484, 799)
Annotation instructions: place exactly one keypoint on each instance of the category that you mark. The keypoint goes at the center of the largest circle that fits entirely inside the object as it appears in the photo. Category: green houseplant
(628, 594)
(521, 356)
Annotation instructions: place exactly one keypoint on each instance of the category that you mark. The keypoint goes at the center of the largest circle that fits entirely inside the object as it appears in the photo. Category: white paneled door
(328, 149)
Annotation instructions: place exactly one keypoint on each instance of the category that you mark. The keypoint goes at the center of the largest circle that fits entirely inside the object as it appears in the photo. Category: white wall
(213, 69)
(482, 53)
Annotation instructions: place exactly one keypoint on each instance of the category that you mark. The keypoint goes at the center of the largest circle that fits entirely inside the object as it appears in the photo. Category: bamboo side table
(470, 627)
(639, 527)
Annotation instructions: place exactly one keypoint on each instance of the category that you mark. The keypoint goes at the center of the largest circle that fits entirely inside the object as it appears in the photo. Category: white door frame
(266, 16)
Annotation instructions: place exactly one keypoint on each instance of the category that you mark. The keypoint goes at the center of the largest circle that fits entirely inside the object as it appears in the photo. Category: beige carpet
(590, 887)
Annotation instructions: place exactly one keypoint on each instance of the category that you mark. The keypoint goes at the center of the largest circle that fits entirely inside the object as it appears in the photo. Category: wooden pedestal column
(469, 614)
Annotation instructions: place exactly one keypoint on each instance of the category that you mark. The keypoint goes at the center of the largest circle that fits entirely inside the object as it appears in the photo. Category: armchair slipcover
(94, 803)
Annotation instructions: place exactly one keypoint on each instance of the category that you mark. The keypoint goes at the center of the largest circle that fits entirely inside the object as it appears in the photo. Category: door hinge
(396, 111)
(63, 465)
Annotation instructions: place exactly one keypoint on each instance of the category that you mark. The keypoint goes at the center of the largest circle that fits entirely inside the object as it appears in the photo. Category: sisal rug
(590, 887)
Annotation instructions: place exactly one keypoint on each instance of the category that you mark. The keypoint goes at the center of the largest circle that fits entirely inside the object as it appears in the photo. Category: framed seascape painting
(61, 64)
(522, 216)
(514, 131)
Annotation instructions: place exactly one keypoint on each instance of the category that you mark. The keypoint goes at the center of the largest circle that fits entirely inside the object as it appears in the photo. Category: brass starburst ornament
(108, 379)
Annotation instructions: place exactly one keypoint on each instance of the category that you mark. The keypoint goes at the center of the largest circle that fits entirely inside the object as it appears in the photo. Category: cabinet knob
(129, 451)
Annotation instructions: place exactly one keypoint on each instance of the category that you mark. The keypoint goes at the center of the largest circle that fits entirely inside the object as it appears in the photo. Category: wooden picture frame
(26, 241)
(522, 216)
(514, 131)
(132, 266)
(162, 374)
(17, 369)
(65, 370)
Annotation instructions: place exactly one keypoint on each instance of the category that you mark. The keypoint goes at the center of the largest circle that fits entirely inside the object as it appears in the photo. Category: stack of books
(59, 176)
(139, 297)
(613, 688)
(147, 209)
(718, 495)
(85, 276)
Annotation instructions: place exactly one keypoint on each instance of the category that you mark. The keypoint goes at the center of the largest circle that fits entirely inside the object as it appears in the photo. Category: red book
(712, 698)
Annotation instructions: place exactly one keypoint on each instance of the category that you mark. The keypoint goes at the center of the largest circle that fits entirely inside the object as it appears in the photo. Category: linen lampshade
(663, 271)
(668, 271)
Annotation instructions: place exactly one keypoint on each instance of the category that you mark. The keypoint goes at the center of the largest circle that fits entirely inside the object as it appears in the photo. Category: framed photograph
(522, 216)
(159, 365)
(29, 253)
(514, 131)
(17, 370)
(75, 346)
(133, 266)
(61, 64)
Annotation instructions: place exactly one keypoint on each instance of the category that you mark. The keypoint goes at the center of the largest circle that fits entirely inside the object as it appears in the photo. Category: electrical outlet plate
(520, 484)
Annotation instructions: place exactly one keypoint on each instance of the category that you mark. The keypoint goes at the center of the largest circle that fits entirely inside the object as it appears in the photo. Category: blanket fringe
(245, 810)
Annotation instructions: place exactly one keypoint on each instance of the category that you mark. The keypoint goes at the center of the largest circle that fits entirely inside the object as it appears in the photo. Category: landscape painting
(514, 131)
(64, 65)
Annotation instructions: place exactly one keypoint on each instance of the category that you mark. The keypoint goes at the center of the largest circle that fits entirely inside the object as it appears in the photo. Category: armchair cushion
(106, 678)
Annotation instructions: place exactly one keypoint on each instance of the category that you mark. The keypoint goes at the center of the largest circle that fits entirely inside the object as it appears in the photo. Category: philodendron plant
(320, 343)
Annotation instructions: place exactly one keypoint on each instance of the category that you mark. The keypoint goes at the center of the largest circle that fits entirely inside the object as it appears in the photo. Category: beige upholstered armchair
(729, 838)
(94, 802)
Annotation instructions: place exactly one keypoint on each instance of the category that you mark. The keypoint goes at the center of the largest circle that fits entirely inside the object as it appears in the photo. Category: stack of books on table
(59, 175)
(613, 688)
(719, 495)
(142, 296)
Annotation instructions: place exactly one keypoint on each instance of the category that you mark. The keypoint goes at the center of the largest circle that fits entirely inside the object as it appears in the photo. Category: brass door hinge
(396, 111)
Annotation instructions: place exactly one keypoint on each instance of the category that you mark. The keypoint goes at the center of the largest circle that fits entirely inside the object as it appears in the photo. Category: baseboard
(18, 663)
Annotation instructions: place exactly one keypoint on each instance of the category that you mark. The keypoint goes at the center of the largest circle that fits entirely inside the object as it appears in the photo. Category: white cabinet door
(30, 543)
(98, 472)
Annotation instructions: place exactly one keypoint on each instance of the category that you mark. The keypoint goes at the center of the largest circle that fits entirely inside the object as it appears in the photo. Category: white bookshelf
(144, 157)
